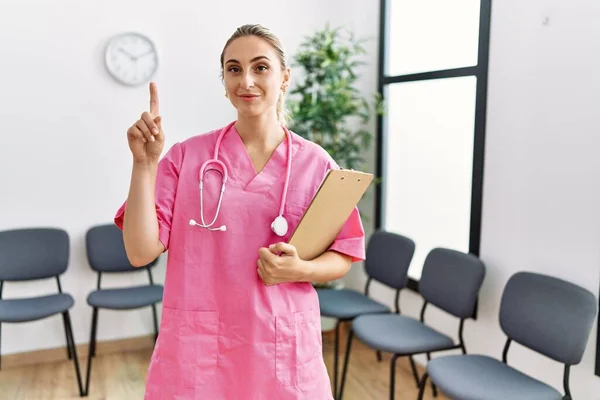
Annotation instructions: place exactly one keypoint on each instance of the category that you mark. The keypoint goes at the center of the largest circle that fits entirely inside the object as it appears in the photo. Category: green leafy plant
(326, 106)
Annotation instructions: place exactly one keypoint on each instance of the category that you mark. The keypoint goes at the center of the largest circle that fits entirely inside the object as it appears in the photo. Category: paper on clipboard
(332, 205)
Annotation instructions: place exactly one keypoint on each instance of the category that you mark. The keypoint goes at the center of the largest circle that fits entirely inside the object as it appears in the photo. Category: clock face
(131, 58)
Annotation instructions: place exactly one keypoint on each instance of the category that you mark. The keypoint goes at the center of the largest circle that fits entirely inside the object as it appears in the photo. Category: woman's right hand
(146, 138)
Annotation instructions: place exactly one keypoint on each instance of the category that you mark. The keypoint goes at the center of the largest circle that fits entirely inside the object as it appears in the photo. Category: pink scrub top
(224, 334)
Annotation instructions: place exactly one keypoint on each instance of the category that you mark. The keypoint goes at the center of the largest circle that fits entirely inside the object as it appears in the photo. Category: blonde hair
(260, 31)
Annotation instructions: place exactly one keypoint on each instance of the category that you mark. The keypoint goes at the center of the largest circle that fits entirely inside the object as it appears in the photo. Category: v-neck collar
(242, 169)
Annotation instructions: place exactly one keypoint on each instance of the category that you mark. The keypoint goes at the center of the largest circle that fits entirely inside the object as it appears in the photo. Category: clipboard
(330, 208)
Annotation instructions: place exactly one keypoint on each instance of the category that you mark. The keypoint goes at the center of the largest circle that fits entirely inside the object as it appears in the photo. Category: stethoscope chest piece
(279, 226)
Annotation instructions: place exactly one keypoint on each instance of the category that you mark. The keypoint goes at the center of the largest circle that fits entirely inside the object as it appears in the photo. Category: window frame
(480, 71)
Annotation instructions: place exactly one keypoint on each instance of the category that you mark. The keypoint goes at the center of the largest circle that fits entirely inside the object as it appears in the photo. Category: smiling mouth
(249, 97)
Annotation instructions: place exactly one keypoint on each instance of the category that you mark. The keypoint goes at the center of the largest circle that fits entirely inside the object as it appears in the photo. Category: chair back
(548, 315)
(451, 280)
(388, 258)
(33, 253)
(106, 250)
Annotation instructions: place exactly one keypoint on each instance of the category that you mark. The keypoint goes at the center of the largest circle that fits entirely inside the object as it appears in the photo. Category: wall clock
(131, 58)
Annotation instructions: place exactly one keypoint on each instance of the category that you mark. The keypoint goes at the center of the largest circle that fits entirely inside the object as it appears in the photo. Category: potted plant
(326, 106)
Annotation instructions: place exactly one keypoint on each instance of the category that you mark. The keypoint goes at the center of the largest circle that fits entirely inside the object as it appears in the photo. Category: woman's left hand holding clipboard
(280, 263)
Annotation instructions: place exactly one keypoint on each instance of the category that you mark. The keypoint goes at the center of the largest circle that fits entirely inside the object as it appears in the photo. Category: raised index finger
(153, 99)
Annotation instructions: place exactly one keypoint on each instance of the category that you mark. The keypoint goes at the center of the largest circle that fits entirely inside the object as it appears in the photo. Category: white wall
(64, 160)
(541, 196)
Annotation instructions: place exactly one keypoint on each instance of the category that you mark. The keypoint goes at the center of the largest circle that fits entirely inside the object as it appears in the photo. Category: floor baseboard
(60, 353)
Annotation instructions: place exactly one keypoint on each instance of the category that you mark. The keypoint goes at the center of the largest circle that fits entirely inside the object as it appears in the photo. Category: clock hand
(144, 54)
(127, 54)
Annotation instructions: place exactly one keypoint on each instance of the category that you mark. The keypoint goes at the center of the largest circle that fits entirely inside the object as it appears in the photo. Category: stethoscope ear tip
(221, 228)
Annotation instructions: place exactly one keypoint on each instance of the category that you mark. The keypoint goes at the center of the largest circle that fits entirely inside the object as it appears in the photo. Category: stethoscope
(279, 224)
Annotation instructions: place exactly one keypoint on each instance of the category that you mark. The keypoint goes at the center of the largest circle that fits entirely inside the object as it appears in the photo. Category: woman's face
(253, 75)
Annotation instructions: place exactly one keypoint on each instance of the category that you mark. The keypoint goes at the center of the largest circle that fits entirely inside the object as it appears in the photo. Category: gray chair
(545, 314)
(387, 261)
(451, 281)
(106, 254)
(33, 254)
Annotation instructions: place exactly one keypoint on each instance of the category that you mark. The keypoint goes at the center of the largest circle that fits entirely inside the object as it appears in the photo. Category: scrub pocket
(187, 348)
(298, 354)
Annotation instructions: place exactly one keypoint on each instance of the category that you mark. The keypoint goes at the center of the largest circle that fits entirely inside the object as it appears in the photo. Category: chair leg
(93, 333)
(68, 337)
(92, 349)
(155, 322)
(432, 384)
(71, 343)
(422, 386)
(414, 370)
(379, 358)
(346, 359)
(393, 376)
(335, 358)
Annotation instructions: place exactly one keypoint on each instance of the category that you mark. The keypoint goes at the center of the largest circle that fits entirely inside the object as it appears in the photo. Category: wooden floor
(121, 377)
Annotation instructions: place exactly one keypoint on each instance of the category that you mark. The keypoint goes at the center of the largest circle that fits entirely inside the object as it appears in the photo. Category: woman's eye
(261, 68)
(234, 69)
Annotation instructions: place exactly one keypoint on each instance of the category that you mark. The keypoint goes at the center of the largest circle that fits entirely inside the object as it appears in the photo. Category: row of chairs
(42, 253)
(546, 314)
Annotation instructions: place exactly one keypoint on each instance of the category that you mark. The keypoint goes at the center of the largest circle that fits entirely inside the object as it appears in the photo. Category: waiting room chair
(33, 254)
(545, 314)
(106, 254)
(387, 261)
(451, 281)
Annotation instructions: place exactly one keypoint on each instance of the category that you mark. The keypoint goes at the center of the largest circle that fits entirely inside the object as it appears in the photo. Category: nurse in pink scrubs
(240, 317)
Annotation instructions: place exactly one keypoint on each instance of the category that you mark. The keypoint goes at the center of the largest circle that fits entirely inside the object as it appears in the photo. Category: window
(431, 35)
(433, 76)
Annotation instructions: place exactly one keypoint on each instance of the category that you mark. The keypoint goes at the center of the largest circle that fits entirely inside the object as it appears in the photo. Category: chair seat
(126, 298)
(347, 304)
(471, 377)
(398, 334)
(34, 308)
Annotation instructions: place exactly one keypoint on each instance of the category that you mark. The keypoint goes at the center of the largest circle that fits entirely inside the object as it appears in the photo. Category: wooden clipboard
(339, 193)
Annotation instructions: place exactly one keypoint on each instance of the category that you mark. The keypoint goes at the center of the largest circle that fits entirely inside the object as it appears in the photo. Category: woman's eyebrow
(233, 60)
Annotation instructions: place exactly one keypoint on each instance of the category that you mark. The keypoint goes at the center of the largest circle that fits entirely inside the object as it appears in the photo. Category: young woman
(240, 317)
